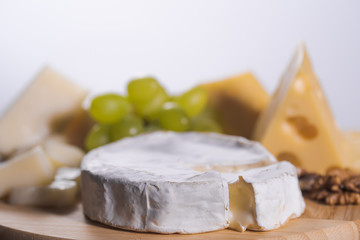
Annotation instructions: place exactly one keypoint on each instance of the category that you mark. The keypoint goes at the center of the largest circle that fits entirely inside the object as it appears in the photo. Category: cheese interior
(242, 205)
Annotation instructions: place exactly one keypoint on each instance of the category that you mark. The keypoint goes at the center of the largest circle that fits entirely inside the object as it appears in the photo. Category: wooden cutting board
(318, 222)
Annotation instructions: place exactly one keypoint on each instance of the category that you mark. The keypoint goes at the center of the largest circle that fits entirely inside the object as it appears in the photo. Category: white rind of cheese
(32, 168)
(265, 198)
(47, 101)
(148, 183)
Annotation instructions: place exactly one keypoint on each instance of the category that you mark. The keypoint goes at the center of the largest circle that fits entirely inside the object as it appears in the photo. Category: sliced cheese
(297, 125)
(169, 182)
(61, 153)
(62, 192)
(239, 101)
(59, 194)
(32, 168)
(45, 104)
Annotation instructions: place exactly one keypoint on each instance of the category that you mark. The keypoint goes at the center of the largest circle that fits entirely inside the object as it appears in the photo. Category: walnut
(332, 199)
(337, 187)
(342, 173)
(352, 184)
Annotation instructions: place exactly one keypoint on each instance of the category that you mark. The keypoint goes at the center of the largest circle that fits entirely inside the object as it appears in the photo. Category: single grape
(127, 127)
(173, 118)
(193, 101)
(109, 108)
(204, 124)
(147, 95)
(97, 136)
(150, 109)
(142, 89)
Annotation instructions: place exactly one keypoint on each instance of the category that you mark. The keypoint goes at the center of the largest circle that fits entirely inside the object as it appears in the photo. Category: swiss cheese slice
(48, 101)
(297, 125)
(239, 100)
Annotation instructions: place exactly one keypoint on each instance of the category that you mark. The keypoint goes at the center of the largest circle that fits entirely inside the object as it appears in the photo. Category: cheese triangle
(297, 125)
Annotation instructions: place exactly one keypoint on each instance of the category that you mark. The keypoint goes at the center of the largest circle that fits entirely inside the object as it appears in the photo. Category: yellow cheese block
(49, 101)
(31, 168)
(239, 101)
(62, 153)
(298, 126)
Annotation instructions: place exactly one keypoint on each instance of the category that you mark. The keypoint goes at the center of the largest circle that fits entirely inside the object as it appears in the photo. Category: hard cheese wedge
(47, 102)
(31, 168)
(297, 125)
(61, 153)
(239, 101)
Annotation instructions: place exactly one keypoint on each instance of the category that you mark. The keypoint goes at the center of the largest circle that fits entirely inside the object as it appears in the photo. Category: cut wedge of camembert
(169, 182)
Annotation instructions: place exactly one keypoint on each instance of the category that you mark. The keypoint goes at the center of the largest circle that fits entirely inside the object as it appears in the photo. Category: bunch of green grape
(147, 107)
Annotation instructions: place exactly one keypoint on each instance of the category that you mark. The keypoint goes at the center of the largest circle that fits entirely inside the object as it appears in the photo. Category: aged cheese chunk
(47, 102)
(239, 101)
(61, 153)
(169, 182)
(62, 192)
(31, 168)
(265, 198)
(297, 125)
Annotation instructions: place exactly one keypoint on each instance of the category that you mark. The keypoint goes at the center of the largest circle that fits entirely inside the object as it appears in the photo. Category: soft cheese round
(166, 182)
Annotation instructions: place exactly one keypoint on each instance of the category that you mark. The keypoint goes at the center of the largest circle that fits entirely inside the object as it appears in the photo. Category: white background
(102, 44)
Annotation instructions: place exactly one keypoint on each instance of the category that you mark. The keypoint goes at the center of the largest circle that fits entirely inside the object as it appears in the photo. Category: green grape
(172, 117)
(97, 136)
(142, 89)
(204, 124)
(147, 95)
(193, 101)
(109, 108)
(127, 127)
(150, 109)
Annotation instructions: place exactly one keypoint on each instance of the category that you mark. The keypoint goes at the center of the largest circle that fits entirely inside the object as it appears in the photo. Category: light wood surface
(318, 222)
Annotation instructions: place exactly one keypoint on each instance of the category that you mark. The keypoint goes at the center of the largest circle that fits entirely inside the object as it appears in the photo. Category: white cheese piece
(62, 153)
(31, 168)
(68, 173)
(49, 100)
(148, 182)
(59, 194)
(265, 198)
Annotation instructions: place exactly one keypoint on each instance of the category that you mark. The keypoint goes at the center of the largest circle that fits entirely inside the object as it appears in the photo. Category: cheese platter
(148, 165)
